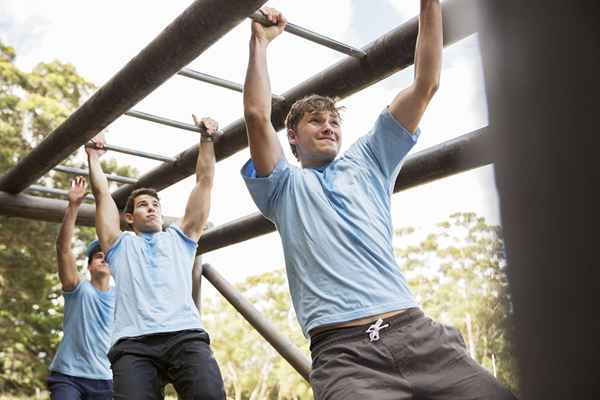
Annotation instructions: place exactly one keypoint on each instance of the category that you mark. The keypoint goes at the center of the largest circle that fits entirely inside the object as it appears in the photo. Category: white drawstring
(374, 329)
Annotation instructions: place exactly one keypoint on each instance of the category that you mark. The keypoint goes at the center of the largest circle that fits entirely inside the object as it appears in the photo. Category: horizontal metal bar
(458, 155)
(85, 172)
(162, 121)
(386, 55)
(52, 210)
(138, 153)
(313, 37)
(197, 28)
(49, 190)
(190, 73)
(287, 349)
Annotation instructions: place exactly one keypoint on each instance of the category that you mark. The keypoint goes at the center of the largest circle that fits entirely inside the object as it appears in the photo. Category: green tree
(251, 368)
(32, 104)
(457, 274)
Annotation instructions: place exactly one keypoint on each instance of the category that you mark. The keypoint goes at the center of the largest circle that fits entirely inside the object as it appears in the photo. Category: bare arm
(67, 269)
(108, 223)
(198, 205)
(265, 148)
(409, 105)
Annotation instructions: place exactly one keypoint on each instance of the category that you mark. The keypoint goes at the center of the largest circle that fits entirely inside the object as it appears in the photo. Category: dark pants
(67, 387)
(142, 366)
(413, 357)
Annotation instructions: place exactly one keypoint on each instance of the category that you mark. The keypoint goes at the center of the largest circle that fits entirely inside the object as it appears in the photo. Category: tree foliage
(32, 104)
(458, 275)
(251, 369)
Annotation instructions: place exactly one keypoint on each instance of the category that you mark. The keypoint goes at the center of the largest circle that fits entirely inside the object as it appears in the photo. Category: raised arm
(108, 223)
(198, 205)
(67, 269)
(410, 104)
(265, 148)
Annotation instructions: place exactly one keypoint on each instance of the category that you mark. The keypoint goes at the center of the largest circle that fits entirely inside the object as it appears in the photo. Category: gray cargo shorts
(407, 356)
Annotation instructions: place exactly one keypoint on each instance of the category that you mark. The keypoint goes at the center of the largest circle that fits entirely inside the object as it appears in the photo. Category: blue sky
(100, 37)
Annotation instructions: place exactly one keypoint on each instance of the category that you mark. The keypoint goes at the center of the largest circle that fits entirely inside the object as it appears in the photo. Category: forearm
(107, 214)
(98, 179)
(257, 86)
(198, 206)
(67, 271)
(205, 164)
(65, 234)
(428, 53)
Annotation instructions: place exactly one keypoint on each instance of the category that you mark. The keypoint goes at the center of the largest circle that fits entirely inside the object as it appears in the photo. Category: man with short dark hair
(80, 368)
(157, 336)
(369, 340)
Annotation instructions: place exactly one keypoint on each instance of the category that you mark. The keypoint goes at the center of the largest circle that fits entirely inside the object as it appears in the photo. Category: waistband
(348, 333)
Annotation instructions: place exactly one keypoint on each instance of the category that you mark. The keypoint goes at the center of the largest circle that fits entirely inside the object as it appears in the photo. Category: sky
(99, 38)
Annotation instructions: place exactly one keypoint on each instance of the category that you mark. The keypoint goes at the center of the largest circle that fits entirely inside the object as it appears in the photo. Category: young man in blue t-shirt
(369, 340)
(80, 368)
(157, 335)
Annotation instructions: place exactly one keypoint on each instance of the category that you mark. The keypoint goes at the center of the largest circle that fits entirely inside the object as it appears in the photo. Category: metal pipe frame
(267, 330)
(138, 153)
(192, 32)
(454, 156)
(199, 76)
(162, 121)
(85, 172)
(55, 191)
(313, 37)
(52, 210)
(386, 55)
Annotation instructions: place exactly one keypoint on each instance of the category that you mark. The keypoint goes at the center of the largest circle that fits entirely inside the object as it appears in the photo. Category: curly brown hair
(309, 105)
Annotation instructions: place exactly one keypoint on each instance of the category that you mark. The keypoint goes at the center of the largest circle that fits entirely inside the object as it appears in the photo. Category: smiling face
(314, 132)
(146, 216)
(317, 138)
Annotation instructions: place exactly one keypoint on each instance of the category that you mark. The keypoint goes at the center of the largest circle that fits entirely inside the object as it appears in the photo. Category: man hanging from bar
(80, 368)
(369, 339)
(157, 336)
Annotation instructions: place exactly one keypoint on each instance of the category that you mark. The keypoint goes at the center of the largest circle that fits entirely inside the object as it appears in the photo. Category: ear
(292, 137)
(129, 218)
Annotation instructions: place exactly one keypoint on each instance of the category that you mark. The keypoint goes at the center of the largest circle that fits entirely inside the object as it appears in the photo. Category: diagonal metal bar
(458, 155)
(162, 121)
(199, 76)
(55, 191)
(313, 37)
(264, 327)
(192, 32)
(138, 153)
(386, 55)
(85, 172)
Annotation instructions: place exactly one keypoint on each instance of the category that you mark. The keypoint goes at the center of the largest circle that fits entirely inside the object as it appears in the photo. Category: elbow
(427, 88)
(256, 116)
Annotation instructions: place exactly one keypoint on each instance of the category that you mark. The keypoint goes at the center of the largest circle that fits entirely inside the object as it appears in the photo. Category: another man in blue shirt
(157, 336)
(80, 368)
(369, 340)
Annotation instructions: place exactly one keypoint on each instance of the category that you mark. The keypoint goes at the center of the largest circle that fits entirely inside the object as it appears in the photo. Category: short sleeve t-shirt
(153, 276)
(336, 230)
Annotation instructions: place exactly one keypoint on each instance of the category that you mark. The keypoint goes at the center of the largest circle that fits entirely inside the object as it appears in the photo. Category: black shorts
(409, 356)
(143, 365)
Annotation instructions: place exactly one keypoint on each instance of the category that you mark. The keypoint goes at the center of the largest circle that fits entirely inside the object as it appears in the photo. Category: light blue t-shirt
(336, 229)
(153, 277)
(86, 333)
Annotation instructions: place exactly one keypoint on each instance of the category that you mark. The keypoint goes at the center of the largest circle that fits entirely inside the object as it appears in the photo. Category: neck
(101, 283)
(313, 163)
